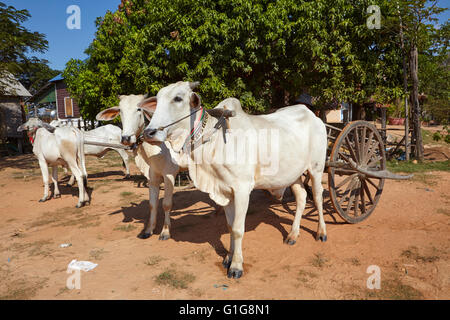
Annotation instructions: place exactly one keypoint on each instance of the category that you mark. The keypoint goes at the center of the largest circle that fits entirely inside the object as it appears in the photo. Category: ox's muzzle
(154, 136)
(128, 140)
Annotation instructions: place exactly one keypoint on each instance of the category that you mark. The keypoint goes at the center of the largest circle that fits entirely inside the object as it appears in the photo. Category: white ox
(300, 146)
(58, 146)
(155, 162)
(106, 134)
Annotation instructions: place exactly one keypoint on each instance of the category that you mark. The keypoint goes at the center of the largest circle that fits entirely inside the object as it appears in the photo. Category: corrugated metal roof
(13, 87)
(57, 78)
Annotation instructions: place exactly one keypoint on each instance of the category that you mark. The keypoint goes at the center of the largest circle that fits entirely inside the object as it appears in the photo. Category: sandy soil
(407, 236)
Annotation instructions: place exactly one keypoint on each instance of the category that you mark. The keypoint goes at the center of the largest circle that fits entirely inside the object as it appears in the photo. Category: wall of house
(61, 93)
(10, 116)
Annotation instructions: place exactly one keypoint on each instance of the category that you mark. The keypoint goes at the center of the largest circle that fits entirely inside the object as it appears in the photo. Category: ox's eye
(177, 99)
(139, 109)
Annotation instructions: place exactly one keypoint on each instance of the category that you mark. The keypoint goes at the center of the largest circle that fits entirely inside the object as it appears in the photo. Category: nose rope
(175, 122)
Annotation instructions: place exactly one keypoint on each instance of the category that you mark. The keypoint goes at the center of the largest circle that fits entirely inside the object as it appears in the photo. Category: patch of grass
(153, 260)
(175, 279)
(319, 260)
(304, 275)
(97, 254)
(425, 178)
(394, 289)
(21, 289)
(409, 167)
(412, 253)
(69, 216)
(428, 137)
(34, 248)
(355, 261)
(128, 227)
(444, 211)
(126, 194)
(62, 290)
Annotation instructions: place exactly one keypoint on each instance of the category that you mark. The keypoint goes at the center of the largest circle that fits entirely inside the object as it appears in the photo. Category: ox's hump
(232, 104)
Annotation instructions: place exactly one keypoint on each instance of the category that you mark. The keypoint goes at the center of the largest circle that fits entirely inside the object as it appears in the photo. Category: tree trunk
(413, 61)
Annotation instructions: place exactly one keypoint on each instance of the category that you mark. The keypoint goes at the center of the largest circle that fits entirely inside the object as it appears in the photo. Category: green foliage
(437, 136)
(17, 42)
(254, 50)
(410, 167)
(447, 138)
(36, 74)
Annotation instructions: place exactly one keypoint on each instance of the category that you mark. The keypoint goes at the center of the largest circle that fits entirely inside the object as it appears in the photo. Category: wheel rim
(354, 195)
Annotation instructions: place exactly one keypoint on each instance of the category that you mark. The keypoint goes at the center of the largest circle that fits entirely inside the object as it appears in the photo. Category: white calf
(58, 146)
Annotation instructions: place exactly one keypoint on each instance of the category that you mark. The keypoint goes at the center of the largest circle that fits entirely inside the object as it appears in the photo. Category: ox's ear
(22, 127)
(108, 114)
(148, 105)
(195, 100)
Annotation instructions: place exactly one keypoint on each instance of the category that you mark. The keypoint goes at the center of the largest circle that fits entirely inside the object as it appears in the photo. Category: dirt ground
(407, 237)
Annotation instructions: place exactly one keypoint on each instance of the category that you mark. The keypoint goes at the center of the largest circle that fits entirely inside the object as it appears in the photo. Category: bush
(437, 136)
(447, 138)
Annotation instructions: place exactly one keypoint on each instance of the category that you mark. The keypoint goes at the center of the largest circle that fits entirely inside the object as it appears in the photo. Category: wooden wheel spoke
(363, 144)
(352, 150)
(373, 184)
(344, 195)
(351, 198)
(366, 188)
(374, 161)
(357, 146)
(372, 151)
(346, 180)
(367, 146)
(363, 200)
(357, 189)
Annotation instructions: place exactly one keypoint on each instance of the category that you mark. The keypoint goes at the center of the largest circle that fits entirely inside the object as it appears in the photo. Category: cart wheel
(355, 195)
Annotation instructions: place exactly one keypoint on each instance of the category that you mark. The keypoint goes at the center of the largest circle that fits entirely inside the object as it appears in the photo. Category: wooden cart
(356, 166)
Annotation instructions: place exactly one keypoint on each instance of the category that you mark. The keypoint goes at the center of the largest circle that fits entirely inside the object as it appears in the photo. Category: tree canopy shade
(16, 45)
(259, 51)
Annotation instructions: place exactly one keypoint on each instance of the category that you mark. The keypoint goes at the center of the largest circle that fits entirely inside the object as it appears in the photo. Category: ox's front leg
(169, 182)
(56, 193)
(44, 171)
(153, 190)
(240, 205)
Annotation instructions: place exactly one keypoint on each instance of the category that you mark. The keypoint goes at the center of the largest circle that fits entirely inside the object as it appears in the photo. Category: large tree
(17, 44)
(259, 51)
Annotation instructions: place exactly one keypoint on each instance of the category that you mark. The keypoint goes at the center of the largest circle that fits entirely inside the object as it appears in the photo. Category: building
(12, 113)
(54, 95)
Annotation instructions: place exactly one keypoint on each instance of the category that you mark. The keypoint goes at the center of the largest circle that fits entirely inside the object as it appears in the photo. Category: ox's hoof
(43, 199)
(322, 237)
(144, 235)
(226, 263)
(164, 236)
(126, 177)
(290, 242)
(234, 273)
(57, 196)
(79, 205)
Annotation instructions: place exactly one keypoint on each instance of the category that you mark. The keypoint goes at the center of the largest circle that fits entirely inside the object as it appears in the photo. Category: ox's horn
(194, 84)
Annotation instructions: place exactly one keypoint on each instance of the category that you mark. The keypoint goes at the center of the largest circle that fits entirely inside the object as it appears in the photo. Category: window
(68, 106)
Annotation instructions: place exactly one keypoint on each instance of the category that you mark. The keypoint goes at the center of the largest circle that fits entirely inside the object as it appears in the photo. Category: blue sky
(49, 17)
